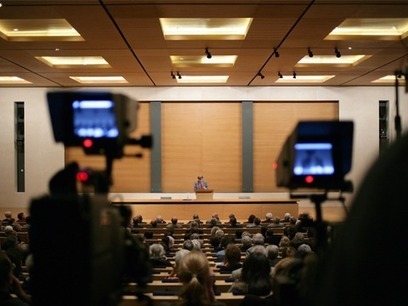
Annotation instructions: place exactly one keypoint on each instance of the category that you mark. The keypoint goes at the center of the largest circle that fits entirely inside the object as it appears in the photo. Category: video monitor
(94, 119)
(313, 159)
(317, 154)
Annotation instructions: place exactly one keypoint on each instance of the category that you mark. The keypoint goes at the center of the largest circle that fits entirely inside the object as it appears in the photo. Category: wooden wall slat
(201, 138)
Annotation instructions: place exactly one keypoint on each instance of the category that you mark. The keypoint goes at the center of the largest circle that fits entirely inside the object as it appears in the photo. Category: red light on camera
(309, 179)
(88, 143)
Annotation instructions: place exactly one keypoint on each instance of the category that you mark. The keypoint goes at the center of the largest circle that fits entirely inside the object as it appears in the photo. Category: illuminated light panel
(99, 79)
(371, 28)
(69, 61)
(388, 79)
(12, 80)
(205, 28)
(331, 60)
(220, 61)
(38, 30)
(305, 79)
(200, 79)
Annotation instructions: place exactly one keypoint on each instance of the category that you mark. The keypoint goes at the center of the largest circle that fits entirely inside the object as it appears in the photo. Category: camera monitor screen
(313, 159)
(94, 119)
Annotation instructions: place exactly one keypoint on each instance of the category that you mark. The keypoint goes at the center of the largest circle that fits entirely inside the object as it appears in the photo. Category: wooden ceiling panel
(128, 35)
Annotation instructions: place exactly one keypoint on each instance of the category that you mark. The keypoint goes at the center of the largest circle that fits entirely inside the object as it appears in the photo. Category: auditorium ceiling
(159, 43)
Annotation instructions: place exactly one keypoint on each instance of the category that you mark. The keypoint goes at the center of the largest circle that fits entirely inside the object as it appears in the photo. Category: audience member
(168, 244)
(268, 218)
(232, 259)
(271, 238)
(256, 223)
(251, 218)
(225, 241)
(173, 224)
(158, 256)
(276, 223)
(272, 254)
(177, 259)
(214, 218)
(297, 240)
(246, 243)
(257, 239)
(255, 276)
(233, 223)
(198, 283)
(286, 217)
(10, 285)
(7, 217)
(21, 218)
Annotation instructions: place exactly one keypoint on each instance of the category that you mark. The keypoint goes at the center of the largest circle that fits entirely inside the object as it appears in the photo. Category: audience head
(246, 241)
(179, 256)
(214, 229)
(188, 245)
(20, 216)
(259, 249)
(156, 251)
(8, 214)
(272, 252)
(232, 255)
(257, 221)
(174, 220)
(258, 239)
(268, 216)
(256, 274)
(251, 218)
(194, 273)
(219, 233)
(286, 217)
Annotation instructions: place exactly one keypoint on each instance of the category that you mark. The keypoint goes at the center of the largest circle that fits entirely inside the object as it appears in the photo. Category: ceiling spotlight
(178, 75)
(280, 75)
(294, 75)
(208, 53)
(261, 75)
(309, 51)
(172, 75)
(276, 52)
(337, 52)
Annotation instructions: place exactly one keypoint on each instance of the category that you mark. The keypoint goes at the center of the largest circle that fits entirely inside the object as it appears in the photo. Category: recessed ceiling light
(331, 60)
(203, 79)
(205, 28)
(99, 79)
(388, 79)
(221, 61)
(304, 79)
(38, 30)
(70, 61)
(10, 80)
(371, 28)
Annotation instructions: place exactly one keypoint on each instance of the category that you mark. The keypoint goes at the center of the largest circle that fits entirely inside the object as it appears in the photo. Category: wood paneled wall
(201, 139)
(205, 138)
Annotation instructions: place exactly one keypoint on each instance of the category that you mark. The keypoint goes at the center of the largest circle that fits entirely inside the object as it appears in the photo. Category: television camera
(99, 122)
(317, 155)
(83, 253)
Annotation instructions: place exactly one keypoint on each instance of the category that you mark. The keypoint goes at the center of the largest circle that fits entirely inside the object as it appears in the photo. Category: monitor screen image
(94, 119)
(313, 159)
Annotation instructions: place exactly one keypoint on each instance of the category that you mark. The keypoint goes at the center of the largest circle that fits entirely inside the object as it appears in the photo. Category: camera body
(317, 154)
(97, 121)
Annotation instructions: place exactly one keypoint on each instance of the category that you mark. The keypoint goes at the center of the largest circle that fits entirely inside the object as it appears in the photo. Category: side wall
(44, 157)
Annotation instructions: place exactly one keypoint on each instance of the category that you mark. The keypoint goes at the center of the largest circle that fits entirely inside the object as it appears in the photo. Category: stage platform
(185, 208)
